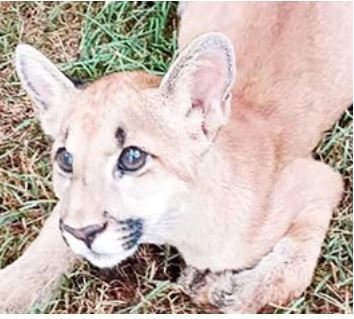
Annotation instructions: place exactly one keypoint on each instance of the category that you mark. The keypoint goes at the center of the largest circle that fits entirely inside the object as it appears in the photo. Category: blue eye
(131, 159)
(64, 160)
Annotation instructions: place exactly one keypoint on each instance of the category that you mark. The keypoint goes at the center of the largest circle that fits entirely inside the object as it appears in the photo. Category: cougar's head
(127, 147)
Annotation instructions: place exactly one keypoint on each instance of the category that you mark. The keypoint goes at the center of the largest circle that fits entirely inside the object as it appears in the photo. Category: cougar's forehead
(118, 112)
(114, 111)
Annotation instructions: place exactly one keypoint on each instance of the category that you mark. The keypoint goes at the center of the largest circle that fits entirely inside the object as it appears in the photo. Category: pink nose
(86, 234)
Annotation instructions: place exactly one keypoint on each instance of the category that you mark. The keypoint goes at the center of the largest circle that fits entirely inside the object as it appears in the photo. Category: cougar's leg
(31, 278)
(285, 271)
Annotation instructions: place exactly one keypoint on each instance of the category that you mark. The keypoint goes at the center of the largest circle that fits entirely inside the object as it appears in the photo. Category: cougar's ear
(48, 87)
(200, 83)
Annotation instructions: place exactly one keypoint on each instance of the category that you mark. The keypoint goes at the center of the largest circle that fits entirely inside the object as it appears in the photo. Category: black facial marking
(120, 135)
(132, 240)
(135, 227)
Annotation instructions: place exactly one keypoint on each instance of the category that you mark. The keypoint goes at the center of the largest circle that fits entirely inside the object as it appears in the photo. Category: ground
(87, 41)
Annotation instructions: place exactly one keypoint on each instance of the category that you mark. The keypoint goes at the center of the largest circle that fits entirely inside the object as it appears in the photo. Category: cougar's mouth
(109, 247)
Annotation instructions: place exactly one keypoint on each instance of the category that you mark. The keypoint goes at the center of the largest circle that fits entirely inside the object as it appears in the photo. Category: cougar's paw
(233, 292)
(227, 291)
(194, 282)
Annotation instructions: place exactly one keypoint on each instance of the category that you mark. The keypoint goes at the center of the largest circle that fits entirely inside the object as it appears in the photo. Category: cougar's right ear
(48, 87)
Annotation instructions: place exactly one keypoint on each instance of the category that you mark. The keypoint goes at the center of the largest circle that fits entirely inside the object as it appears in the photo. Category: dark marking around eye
(64, 160)
(120, 135)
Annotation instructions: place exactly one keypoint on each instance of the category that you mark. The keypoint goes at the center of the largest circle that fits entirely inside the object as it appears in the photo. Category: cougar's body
(287, 56)
(214, 159)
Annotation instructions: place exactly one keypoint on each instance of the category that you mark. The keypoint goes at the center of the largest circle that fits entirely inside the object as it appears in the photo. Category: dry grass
(85, 38)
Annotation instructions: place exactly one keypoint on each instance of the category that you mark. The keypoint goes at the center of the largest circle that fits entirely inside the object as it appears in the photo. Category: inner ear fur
(47, 86)
(205, 71)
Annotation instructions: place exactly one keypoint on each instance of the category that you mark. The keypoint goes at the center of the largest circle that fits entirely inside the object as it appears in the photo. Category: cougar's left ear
(200, 81)
(48, 87)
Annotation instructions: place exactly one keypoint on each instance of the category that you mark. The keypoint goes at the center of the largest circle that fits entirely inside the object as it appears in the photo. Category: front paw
(194, 283)
(233, 292)
(227, 291)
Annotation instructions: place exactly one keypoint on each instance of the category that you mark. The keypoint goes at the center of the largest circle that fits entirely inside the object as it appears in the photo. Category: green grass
(123, 36)
(89, 40)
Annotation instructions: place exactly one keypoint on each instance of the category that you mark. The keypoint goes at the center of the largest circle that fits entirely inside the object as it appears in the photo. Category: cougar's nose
(86, 234)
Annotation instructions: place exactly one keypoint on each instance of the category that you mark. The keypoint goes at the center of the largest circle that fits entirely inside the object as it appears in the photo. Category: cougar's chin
(102, 256)
(107, 260)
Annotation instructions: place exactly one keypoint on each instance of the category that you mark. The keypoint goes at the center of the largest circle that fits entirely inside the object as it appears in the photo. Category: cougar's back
(294, 63)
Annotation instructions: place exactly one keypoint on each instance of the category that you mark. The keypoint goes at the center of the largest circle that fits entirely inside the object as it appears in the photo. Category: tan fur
(244, 201)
